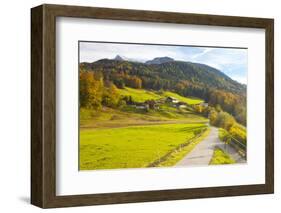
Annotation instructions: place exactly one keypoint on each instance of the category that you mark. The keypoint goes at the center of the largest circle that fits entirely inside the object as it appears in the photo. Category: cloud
(205, 51)
(241, 79)
(94, 51)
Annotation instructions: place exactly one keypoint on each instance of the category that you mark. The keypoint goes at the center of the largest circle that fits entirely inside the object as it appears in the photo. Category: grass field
(108, 117)
(131, 147)
(220, 157)
(141, 95)
(188, 100)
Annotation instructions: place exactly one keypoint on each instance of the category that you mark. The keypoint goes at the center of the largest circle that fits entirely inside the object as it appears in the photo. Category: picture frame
(43, 105)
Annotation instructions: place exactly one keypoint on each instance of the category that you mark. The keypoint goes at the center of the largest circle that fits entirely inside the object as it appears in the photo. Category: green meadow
(188, 100)
(141, 95)
(131, 147)
(111, 118)
(221, 157)
(130, 116)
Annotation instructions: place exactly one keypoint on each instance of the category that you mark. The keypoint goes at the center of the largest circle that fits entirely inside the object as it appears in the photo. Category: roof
(172, 98)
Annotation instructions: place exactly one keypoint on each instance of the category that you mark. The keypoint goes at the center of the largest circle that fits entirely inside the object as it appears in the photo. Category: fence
(239, 146)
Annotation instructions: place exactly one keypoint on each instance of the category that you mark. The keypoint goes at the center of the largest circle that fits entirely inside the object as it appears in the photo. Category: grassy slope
(220, 157)
(108, 117)
(188, 100)
(141, 95)
(128, 115)
(131, 147)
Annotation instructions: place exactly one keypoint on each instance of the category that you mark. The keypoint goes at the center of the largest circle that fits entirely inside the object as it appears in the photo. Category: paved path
(203, 152)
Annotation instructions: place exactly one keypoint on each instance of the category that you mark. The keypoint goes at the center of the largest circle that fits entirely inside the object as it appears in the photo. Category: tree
(198, 108)
(119, 82)
(110, 96)
(213, 117)
(134, 82)
(224, 120)
(90, 90)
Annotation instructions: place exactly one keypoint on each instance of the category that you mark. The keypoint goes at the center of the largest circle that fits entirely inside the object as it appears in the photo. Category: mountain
(160, 60)
(168, 74)
(123, 58)
(118, 58)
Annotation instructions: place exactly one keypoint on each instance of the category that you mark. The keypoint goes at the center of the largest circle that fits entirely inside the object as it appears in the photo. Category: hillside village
(155, 104)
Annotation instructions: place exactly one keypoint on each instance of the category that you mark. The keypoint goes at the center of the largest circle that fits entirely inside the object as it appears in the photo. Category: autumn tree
(90, 90)
(213, 117)
(198, 108)
(225, 120)
(134, 82)
(110, 96)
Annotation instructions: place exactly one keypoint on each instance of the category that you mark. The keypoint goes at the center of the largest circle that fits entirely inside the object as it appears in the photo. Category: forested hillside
(184, 78)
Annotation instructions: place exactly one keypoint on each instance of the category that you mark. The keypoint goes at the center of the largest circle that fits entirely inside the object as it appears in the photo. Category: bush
(239, 133)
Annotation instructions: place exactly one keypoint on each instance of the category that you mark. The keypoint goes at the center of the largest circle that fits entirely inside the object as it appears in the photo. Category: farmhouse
(203, 104)
(181, 105)
(142, 106)
(152, 104)
(172, 100)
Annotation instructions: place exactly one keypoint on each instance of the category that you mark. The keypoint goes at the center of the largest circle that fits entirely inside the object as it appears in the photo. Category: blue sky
(231, 61)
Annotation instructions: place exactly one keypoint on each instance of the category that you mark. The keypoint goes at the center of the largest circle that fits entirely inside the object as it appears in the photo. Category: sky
(231, 61)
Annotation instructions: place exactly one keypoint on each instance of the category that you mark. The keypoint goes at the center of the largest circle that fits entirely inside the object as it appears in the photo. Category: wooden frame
(43, 120)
